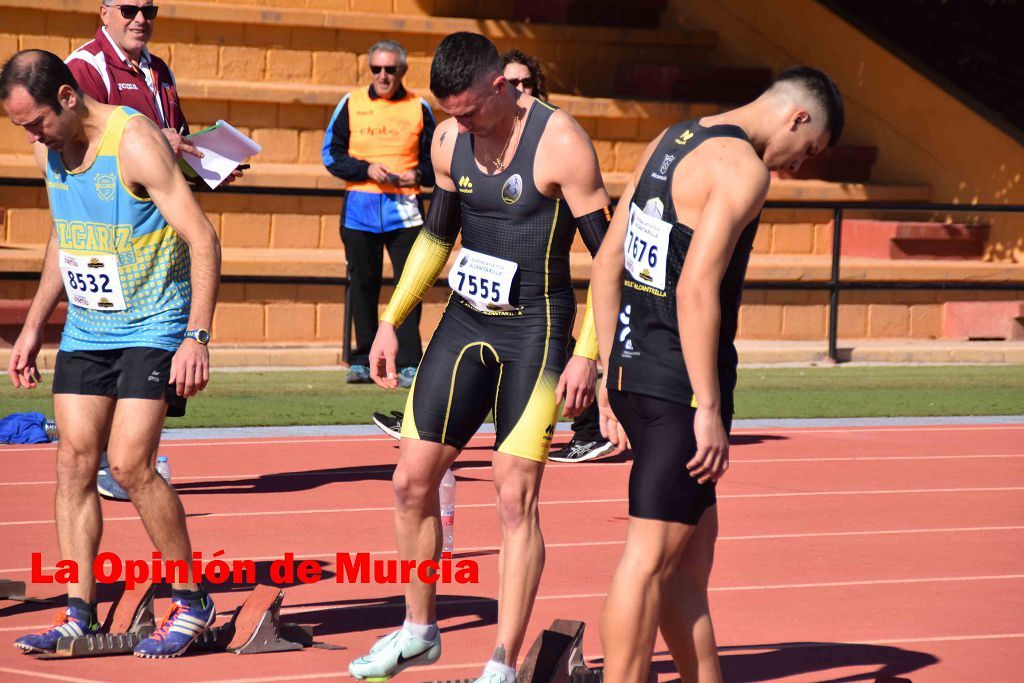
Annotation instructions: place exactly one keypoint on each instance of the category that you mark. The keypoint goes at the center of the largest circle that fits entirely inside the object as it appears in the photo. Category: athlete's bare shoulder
(565, 134)
(728, 164)
(146, 158)
(565, 153)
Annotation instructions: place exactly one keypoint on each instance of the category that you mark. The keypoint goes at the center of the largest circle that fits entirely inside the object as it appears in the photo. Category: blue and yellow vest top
(96, 215)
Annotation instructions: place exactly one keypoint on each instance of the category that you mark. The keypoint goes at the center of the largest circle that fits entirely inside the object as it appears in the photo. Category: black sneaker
(389, 424)
(581, 451)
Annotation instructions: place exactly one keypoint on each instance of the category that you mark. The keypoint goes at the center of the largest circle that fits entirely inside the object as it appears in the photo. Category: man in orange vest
(378, 142)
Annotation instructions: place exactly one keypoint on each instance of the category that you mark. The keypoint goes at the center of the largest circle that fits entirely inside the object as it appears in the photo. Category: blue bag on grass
(23, 428)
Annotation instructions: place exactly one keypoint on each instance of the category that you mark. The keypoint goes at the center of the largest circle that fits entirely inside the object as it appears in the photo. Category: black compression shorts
(476, 363)
(662, 439)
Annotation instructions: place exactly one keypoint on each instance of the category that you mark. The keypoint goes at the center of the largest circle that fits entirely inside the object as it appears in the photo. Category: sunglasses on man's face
(392, 70)
(526, 82)
(129, 12)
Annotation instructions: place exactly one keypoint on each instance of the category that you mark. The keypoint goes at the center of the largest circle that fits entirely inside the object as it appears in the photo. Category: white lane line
(594, 544)
(48, 448)
(593, 657)
(356, 473)
(49, 677)
(198, 516)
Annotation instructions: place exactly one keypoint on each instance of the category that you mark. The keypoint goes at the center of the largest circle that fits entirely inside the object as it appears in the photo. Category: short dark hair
(540, 90)
(824, 90)
(41, 73)
(461, 60)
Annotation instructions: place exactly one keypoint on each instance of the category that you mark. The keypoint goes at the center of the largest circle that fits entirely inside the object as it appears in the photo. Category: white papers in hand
(223, 148)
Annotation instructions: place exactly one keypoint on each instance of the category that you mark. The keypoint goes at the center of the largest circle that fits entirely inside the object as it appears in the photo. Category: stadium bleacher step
(913, 240)
(667, 80)
(984, 320)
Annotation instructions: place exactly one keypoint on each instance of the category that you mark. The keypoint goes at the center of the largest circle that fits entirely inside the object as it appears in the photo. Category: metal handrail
(834, 285)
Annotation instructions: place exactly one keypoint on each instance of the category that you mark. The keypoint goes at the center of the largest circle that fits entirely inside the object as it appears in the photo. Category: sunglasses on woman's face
(129, 12)
(392, 70)
(526, 82)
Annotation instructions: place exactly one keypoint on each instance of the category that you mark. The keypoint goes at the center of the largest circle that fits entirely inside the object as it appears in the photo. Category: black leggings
(662, 439)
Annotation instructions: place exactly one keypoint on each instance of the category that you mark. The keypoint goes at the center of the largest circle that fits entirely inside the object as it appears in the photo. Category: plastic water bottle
(51, 430)
(163, 468)
(447, 494)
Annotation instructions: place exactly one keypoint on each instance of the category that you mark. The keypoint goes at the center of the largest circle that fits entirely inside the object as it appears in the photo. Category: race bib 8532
(92, 281)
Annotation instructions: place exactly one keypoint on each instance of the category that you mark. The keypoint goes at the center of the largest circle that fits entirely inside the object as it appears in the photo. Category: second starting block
(556, 656)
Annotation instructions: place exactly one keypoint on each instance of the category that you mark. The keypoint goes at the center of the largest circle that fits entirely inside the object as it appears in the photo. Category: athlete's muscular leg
(84, 425)
(685, 619)
(629, 621)
(421, 466)
(134, 437)
(517, 481)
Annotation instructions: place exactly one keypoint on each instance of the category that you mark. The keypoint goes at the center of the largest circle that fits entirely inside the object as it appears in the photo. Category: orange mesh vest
(385, 132)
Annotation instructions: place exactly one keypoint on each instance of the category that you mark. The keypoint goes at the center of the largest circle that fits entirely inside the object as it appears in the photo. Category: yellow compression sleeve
(586, 343)
(426, 259)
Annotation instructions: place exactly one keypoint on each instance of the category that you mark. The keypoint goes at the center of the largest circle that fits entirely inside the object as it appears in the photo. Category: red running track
(845, 553)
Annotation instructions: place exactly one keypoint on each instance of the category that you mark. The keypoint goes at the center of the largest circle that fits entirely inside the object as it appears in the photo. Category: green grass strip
(248, 399)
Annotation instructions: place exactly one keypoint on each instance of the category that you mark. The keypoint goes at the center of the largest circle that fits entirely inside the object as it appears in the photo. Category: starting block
(254, 628)
(129, 620)
(15, 590)
(557, 656)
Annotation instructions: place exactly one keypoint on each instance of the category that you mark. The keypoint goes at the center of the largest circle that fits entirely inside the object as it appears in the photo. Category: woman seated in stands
(524, 73)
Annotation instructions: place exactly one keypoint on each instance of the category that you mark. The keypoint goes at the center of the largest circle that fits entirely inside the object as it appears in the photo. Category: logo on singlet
(465, 185)
(624, 339)
(512, 189)
(665, 164)
(105, 186)
(684, 138)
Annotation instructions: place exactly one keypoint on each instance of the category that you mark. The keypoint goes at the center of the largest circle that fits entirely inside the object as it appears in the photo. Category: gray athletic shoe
(406, 376)
(106, 484)
(358, 374)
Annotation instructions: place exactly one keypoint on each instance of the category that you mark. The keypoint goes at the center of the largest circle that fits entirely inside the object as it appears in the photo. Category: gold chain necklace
(498, 161)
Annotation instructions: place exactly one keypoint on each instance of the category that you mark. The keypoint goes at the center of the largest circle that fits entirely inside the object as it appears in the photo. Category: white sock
(426, 632)
(503, 670)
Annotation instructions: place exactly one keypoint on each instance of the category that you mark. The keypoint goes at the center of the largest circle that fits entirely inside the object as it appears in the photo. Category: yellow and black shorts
(476, 363)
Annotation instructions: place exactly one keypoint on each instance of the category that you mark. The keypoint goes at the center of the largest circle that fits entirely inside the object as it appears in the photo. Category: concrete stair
(913, 240)
(984, 320)
(634, 13)
(690, 83)
(327, 46)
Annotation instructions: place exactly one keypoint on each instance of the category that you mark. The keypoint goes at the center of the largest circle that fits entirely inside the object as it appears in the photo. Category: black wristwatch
(201, 336)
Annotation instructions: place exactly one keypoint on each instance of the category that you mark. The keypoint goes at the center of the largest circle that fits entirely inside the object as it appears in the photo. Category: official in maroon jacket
(116, 68)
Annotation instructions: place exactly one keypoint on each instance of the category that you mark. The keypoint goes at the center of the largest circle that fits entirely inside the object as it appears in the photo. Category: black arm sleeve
(593, 227)
(427, 257)
(444, 219)
(335, 150)
(425, 167)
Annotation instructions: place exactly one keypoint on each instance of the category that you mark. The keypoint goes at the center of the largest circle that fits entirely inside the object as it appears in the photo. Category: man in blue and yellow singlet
(140, 264)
